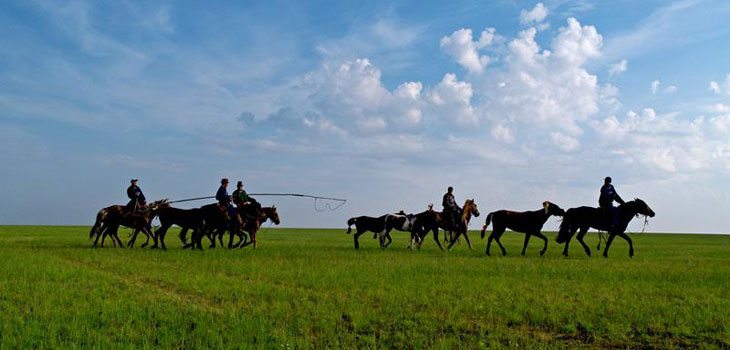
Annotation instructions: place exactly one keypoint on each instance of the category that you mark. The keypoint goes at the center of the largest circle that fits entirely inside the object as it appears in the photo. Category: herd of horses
(207, 221)
(212, 221)
(530, 223)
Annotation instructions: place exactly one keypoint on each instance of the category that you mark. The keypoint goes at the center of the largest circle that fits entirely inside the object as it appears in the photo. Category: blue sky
(385, 104)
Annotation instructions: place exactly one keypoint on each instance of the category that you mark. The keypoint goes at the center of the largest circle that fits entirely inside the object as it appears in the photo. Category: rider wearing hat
(136, 197)
(244, 202)
(451, 209)
(605, 201)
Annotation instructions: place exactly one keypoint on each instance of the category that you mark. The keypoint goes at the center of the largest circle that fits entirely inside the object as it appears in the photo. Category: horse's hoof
(542, 253)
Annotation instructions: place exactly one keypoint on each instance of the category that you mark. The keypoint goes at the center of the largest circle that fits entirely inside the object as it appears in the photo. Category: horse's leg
(497, 231)
(115, 235)
(628, 239)
(504, 251)
(147, 233)
(103, 237)
(390, 239)
(98, 235)
(356, 237)
(436, 238)
(527, 239)
(611, 236)
(489, 242)
(132, 240)
(230, 239)
(567, 242)
(544, 239)
(453, 239)
(254, 230)
(583, 231)
(466, 236)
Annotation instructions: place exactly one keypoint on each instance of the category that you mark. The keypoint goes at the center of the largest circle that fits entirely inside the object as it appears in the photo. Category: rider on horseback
(136, 197)
(247, 205)
(451, 209)
(605, 201)
(224, 201)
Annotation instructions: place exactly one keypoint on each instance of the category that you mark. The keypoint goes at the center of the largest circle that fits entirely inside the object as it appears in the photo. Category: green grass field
(311, 289)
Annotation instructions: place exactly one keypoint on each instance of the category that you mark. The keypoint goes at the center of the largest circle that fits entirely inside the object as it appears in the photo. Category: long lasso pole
(342, 200)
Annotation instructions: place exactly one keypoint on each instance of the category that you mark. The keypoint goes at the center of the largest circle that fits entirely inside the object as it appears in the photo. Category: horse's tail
(565, 229)
(350, 222)
(99, 219)
(486, 223)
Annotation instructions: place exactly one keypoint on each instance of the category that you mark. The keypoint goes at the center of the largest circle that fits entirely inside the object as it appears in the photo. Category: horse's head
(152, 209)
(552, 209)
(470, 208)
(272, 214)
(642, 208)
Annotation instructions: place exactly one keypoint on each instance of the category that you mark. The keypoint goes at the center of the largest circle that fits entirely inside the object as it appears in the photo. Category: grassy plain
(308, 288)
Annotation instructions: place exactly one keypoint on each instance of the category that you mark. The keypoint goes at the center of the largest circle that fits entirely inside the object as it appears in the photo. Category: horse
(431, 220)
(253, 224)
(185, 218)
(215, 222)
(364, 224)
(529, 222)
(110, 218)
(584, 218)
(402, 222)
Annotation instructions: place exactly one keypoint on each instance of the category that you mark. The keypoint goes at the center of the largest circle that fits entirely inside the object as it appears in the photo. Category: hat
(607, 179)
(224, 180)
(240, 183)
(134, 179)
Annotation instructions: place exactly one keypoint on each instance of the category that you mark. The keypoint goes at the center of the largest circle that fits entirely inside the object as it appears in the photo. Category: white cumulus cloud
(618, 67)
(535, 16)
(461, 46)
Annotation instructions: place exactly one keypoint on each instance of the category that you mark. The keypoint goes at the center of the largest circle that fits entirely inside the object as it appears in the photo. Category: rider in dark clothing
(605, 201)
(451, 210)
(247, 205)
(136, 197)
(224, 200)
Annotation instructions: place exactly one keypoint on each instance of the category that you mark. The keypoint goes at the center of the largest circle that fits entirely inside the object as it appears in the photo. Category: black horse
(529, 222)
(187, 219)
(215, 222)
(584, 218)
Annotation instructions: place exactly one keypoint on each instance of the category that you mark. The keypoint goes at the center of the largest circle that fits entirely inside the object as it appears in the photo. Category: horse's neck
(627, 211)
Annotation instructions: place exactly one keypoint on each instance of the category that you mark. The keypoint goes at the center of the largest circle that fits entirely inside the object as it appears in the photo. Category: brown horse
(431, 220)
(529, 222)
(110, 218)
(253, 224)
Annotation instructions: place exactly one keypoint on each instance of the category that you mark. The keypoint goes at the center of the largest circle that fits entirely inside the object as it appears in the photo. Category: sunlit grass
(308, 288)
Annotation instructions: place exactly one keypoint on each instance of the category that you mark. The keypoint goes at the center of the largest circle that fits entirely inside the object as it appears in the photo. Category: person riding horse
(136, 197)
(247, 205)
(224, 201)
(605, 201)
(451, 209)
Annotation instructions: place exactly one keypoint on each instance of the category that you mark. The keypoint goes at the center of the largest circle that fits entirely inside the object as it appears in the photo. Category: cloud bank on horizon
(510, 105)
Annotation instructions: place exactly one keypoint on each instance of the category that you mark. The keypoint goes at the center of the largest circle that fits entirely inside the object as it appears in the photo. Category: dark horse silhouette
(215, 222)
(529, 222)
(584, 218)
(187, 219)
(382, 226)
(431, 220)
(110, 218)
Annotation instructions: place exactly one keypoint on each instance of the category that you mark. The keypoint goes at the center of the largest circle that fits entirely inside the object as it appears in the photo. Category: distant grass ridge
(309, 289)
